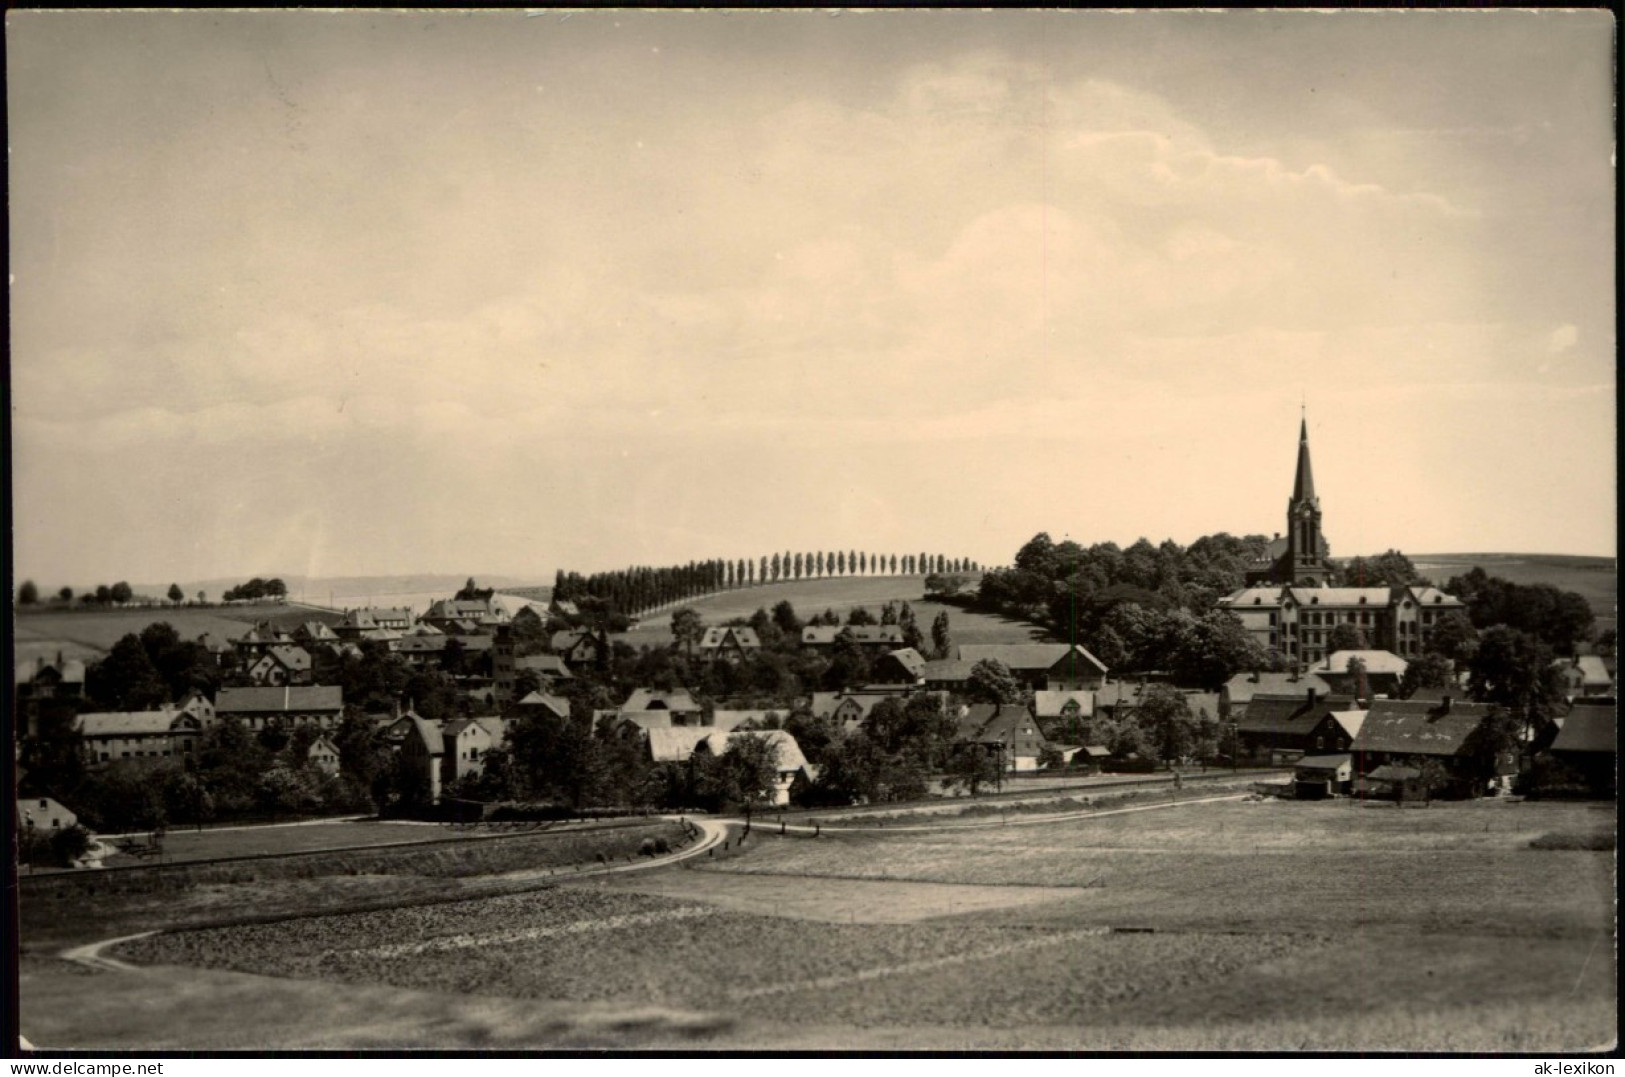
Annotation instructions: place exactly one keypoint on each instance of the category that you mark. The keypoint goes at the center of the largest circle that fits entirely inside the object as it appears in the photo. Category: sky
(365, 293)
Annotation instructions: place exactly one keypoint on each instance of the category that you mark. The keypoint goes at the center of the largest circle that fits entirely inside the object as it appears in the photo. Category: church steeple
(1303, 487)
(1306, 563)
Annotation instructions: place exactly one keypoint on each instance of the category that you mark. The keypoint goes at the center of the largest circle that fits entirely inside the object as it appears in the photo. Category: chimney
(1312, 695)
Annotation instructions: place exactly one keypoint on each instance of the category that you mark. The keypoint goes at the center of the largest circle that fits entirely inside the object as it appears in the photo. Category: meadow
(841, 594)
(1216, 926)
(89, 632)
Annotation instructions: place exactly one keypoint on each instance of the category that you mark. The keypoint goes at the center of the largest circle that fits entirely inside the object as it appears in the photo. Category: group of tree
(1560, 619)
(254, 590)
(117, 594)
(637, 590)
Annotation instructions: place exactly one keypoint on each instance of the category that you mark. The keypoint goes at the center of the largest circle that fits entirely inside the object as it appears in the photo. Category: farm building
(678, 702)
(1394, 782)
(44, 813)
(580, 646)
(1283, 728)
(1405, 732)
(1041, 665)
(1588, 742)
(946, 674)
(1585, 677)
(289, 706)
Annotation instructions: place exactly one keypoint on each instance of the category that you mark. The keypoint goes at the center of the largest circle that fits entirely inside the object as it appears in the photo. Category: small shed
(1400, 783)
(1315, 777)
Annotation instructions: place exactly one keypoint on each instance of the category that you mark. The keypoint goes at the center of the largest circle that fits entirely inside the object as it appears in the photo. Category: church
(1289, 608)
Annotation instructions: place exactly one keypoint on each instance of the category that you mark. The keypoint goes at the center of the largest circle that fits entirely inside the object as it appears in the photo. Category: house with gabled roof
(1589, 743)
(110, 736)
(323, 754)
(904, 666)
(466, 615)
(314, 632)
(581, 646)
(1585, 676)
(1009, 729)
(848, 708)
(1284, 728)
(1406, 731)
(549, 668)
(1040, 665)
(727, 721)
(1239, 690)
(283, 663)
(43, 678)
(946, 674)
(677, 701)
(356, 623)
(729, 643)
(261, 637)
(543, 703)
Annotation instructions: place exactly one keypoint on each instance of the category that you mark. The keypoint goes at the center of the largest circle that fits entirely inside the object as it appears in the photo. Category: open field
(1229, 926)
(90, 632)
(840, 594)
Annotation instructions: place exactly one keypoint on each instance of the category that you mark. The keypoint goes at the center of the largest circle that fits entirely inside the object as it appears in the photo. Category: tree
(784, 616)
(126, 680)
(1347, 637)
(746, 773)
(1427, 671)
(859, 615)
(972, 766)
(687, 629)
(1165, 716)
(941, 640)
(176, 595)
(991, 681)
(27, 594)
(1454, 637)
(104, 594)
(1607, 641)
(66, 594)
(1391, 569)
(1514, 671)
(120, 592)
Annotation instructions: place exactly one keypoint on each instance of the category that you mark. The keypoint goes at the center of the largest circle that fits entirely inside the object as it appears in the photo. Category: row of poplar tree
(637, 590)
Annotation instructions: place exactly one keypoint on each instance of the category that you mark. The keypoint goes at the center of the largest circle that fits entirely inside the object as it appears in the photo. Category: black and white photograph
(729, 532)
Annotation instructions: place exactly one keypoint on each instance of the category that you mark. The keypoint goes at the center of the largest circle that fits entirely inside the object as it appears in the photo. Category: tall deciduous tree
(27, 594)
(941, 637)
(991, 681)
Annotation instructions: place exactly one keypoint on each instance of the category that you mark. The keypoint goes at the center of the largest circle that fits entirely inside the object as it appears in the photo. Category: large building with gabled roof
(1289, 609)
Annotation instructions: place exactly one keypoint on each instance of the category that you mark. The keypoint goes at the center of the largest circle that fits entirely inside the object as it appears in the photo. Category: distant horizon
(526, 580)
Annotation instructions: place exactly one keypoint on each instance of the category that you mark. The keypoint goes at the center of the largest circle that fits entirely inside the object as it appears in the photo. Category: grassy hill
(89, 632)
(840, 594)
(1595, 578)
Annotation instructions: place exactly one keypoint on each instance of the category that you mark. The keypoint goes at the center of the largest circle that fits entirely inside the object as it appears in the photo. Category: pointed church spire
(1303, 487)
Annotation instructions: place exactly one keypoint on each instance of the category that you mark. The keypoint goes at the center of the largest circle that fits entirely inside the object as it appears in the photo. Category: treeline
(28, 594)
(1560, 619)
(255, 590)
(636, 590)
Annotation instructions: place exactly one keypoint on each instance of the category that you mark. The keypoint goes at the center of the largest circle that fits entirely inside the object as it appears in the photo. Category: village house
(850, 708)
(159, 734)
(287, 707)
(1585, 677)
(280, 664)
(946, 674)
(1120, 699)
(223, 651)
(1010, 731)
(727, 721)
(1285, 728)
(314, 633)
(1041, 665)
(789, 762)
(465, 615)
(389, 619)
(1315, 777)
(323, 754)
(259, 639)
(581, 646)
(1384, 670)
(730, 643)
(676, 702)
(904, 666)
(56, 678)
(44, 813)
(547, 668)
(540, 703)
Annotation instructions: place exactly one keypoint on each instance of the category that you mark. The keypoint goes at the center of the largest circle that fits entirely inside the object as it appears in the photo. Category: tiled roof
(289, 698)
(947, 671)
(646, 720)
(1324, 762)
(294, 658)
(728, 721)
(1255, 596)
(827, 703)
(1390, 772)
(549, 665)
(1340, 596)
(910, 659)
(1418, 727)
(789, 752)
(1588, 728)
(1432, 596)
(1029, 656)
(415, 644)
(1008, 723)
